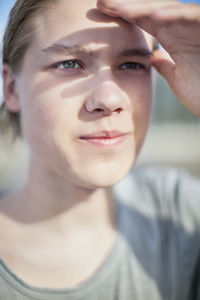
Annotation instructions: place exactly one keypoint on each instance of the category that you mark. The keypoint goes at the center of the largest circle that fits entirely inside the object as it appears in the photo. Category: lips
(105, 138)
(103, 135)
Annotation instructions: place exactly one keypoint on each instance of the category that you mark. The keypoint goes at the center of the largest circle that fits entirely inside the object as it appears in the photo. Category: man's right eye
(68, 65)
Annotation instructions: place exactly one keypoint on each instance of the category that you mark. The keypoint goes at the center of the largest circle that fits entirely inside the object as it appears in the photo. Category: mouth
(105, 138)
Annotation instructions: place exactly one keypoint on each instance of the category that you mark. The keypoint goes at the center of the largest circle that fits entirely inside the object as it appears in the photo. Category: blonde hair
(17, 38)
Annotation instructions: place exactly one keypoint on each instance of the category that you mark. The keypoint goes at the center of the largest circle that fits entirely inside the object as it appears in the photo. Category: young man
(81, 80)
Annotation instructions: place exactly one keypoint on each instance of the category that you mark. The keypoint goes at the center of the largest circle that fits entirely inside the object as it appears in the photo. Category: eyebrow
(59, 48)
(142, 52)
(62, 49)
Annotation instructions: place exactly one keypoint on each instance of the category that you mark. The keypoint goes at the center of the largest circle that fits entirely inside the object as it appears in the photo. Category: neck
(60, 206)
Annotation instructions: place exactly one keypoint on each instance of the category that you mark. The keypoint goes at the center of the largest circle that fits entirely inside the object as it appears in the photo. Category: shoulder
(160, 220)
(170, 193)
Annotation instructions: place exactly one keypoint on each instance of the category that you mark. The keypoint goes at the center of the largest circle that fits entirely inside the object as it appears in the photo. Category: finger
(132, 10)
(141, 13)
(164, 64)
(186, 12)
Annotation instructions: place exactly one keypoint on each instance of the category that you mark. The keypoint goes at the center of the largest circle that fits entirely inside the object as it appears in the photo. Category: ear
(9, 89)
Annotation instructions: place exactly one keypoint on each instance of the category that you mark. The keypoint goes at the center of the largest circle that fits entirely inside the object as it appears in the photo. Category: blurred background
(173, 138)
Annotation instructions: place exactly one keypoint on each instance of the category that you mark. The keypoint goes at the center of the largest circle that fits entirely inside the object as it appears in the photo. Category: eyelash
(55, 66)
(137, 66)
(132, 65)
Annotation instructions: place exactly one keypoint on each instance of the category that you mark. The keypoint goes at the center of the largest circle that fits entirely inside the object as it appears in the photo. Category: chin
(104, 176)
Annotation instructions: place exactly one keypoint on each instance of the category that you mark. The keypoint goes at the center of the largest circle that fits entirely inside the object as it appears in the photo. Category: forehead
(79, 22)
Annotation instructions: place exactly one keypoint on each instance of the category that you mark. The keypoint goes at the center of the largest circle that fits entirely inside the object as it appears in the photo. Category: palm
(184, 75)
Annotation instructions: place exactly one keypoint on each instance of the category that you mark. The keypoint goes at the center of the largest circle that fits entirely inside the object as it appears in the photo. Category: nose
(106, 98)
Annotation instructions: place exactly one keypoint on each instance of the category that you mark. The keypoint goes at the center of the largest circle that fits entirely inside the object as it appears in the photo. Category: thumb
(164, 64)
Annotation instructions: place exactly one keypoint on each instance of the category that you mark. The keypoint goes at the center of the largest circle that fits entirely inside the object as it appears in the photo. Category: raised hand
(176, 26)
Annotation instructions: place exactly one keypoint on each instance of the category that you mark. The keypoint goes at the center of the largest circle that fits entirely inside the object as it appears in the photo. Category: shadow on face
(110, 43)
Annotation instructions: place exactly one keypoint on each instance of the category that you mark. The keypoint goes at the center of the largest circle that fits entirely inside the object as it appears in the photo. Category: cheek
(45, 115)
(139, 91)
(141, 101)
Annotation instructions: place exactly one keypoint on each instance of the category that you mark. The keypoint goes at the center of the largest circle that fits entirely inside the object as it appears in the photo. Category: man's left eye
(132, 66)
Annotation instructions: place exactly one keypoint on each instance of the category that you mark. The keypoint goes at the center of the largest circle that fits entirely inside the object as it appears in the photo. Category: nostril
(118, 110)
(99, 109)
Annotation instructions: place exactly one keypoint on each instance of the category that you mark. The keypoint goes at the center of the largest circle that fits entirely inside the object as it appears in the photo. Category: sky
(6, 5)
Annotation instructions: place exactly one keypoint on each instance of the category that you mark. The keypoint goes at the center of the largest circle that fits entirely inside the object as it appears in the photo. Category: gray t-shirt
(157, 251)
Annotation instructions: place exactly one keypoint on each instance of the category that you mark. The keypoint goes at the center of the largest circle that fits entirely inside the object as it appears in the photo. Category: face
(85, 94)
